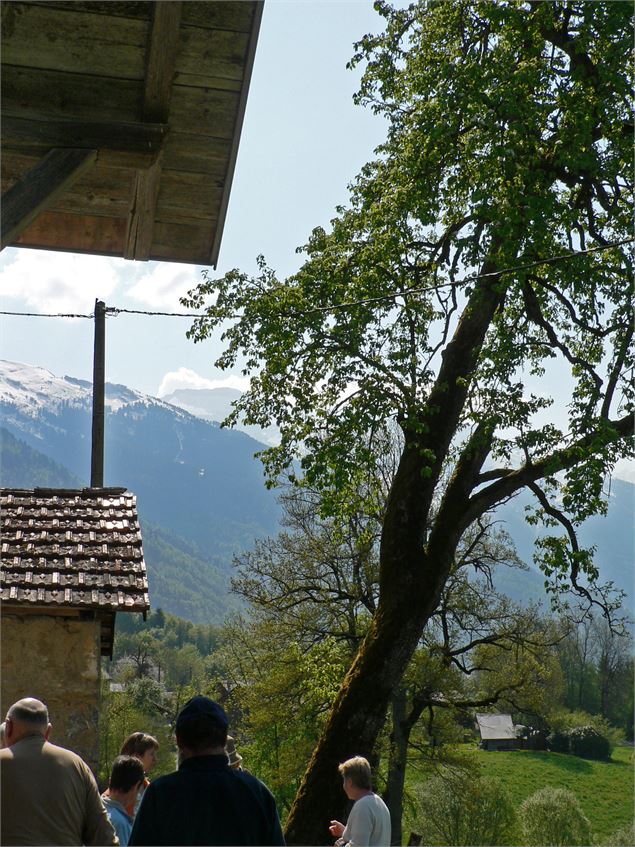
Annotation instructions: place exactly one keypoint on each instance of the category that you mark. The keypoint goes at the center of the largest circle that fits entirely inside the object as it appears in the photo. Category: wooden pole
(99, 379)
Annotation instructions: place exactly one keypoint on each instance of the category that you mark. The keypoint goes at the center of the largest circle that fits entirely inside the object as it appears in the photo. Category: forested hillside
(23, 467)
(181, 577)
(201, 494)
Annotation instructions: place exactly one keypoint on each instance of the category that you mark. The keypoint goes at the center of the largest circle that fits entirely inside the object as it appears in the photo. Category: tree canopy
(483, 251)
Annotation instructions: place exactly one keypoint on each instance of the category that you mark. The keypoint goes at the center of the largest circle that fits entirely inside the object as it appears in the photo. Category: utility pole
(99, 378)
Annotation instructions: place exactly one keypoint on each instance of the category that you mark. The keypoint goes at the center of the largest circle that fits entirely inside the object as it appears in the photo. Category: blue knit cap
(198, 706)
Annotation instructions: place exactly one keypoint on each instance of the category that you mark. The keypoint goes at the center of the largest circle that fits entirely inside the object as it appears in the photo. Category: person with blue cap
(206, 801)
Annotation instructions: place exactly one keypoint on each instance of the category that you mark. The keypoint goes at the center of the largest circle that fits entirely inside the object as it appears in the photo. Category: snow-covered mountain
(33, 389)
(202, 483)
(193, 479)
(215, 404)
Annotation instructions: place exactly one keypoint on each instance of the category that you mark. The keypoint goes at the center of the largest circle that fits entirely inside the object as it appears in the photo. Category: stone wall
(57, 660)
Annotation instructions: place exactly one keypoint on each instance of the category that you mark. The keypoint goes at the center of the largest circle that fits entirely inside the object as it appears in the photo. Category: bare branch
(559, 460)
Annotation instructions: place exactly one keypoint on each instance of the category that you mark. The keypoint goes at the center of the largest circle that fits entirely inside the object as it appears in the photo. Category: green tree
(143, 705)
(279, 689)
(576, 654)
(434, 301)
(184, 666)
(478, 650)
(597, 665)
(312, 590)
(553, 816)
(614, 652)
(459, 807)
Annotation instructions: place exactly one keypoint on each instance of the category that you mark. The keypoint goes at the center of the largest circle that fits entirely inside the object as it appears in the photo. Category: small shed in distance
(71, 559)
(497, 732)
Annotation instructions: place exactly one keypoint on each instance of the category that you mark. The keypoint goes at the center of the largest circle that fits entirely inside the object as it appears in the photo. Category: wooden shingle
(72, 548)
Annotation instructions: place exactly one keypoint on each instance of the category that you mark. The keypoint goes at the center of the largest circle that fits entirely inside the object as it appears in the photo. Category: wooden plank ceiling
(121, 122)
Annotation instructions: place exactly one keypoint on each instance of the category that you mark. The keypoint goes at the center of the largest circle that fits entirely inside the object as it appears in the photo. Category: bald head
(26, 717)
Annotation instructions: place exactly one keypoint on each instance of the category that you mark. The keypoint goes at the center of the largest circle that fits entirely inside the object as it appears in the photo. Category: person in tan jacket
(48, 795)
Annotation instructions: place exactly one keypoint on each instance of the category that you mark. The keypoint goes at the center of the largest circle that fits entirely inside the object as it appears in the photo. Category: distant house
(71, 559)
(497, 732)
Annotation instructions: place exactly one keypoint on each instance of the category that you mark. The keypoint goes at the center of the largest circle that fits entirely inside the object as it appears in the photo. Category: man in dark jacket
(206, 801)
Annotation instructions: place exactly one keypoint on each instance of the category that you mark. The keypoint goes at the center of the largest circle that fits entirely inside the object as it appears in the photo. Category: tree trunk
(393, 796)
(354, 723)
(359, 711)
(410, 581)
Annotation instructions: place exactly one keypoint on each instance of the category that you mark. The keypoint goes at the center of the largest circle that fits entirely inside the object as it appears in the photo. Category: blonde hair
(357, 770)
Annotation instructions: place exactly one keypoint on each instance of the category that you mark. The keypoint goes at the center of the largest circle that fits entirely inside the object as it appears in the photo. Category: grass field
(605, 789)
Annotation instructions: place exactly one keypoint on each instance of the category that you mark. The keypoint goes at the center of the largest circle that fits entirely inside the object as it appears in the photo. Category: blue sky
(302, 142)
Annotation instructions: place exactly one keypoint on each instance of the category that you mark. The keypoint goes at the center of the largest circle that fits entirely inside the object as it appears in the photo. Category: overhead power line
(425, 288)
(114, 310)
(47, 315)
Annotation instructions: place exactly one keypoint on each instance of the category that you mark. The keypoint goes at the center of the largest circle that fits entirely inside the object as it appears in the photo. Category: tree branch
(557, 461)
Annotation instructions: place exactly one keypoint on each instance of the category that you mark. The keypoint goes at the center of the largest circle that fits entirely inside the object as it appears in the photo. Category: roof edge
(238, 126)
(67, 492)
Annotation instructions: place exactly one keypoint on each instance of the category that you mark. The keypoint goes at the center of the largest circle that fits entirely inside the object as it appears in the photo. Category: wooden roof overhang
(121, 123)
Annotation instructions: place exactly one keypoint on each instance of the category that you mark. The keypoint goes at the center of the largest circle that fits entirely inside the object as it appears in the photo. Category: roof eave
(233, 155)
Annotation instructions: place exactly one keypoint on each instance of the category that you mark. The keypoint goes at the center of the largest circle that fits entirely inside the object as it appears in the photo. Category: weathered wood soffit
(121, 123)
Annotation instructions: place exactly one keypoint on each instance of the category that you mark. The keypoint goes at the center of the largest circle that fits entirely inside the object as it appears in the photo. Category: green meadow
(605, 789)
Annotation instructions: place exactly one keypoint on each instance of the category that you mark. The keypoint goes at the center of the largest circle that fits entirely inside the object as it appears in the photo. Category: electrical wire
(114, 311)
(47, 315)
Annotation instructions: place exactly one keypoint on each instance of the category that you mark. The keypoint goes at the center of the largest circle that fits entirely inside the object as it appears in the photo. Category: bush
(624, 837)
(459, 809)
(553, 816)
(559, 741)
(587, 742)
(563, 722)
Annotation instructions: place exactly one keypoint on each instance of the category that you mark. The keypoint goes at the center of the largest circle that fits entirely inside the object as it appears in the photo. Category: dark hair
(127, 771)
(137, 744)
(201, 732)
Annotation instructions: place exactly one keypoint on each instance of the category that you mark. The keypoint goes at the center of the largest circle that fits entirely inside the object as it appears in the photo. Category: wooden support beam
(39, 188)
(120, 144)
(163, 44)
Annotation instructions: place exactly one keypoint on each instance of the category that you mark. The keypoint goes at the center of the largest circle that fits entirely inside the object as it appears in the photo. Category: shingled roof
(74, 548)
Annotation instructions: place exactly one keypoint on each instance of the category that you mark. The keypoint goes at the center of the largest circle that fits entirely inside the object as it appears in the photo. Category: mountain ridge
(215, 404)
(193, 480)
(202, 490)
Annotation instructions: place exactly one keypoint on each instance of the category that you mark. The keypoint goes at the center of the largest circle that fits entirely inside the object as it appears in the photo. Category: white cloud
(625, 469)
(163, 284)
(187, 378)
(46, 281)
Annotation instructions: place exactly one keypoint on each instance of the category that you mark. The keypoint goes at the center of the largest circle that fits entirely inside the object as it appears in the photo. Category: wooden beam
(39, 188)
(75, 233)
(20, 609)
(161, 60)
(163, 44)
(121, 144)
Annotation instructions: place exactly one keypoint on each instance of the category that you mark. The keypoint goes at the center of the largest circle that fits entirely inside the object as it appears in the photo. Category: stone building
(71, 559)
